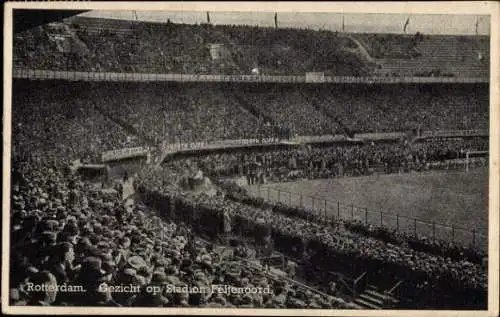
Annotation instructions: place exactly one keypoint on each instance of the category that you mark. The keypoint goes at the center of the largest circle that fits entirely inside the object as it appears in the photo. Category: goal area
(476, 159)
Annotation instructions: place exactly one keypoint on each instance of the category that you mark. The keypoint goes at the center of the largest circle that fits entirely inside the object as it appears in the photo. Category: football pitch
(451, 205)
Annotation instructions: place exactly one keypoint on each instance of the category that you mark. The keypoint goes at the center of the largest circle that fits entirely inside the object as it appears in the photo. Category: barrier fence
(454, 133)
(210, 221)
(144, 77)
(335, 210)
(198, 145)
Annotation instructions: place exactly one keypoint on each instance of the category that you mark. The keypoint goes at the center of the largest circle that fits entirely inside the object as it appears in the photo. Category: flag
(135, 15)
(406, 24)
(343, 24)
(276, 20)
(477, 24)
(208, 17)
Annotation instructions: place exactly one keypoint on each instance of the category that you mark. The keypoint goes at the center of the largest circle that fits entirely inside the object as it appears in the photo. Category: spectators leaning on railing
(286, 164)
(436, 273)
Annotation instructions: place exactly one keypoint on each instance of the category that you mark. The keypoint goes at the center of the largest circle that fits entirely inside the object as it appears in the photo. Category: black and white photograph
(222, 158)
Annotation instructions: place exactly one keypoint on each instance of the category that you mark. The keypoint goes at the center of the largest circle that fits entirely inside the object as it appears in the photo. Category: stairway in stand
(371, 298)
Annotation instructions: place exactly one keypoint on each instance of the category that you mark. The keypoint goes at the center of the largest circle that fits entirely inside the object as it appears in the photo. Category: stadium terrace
(179, 158)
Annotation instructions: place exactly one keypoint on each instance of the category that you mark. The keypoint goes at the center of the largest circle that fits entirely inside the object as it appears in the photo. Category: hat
(314, 305)
(199, 275)
(103, 246)
(50, 224)
(109, 266)
(159, 278)
(244, 281)
(31, 270)
(206, 259)
(280, 299)
(175, 254)
(49, 236)
(141, 280)
(247, 299)
(213, 305)
(106, 257)
(130, 271)
(297, 303)
(14, 294)
(143, 271)
(93, 264)
(136, 262)
(172, 279)
(124, 241)
(160, 262)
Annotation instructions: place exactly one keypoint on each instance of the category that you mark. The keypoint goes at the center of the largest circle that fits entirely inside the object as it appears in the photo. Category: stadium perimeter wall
(145, 77)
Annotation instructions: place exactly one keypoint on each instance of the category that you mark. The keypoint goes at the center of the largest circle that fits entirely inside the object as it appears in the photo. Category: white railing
(38, 74)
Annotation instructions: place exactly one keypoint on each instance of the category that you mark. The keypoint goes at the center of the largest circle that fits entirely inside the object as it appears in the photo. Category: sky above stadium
(353, 22)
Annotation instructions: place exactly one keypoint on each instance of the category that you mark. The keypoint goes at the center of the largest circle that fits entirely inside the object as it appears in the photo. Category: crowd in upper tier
(181, 48)
(98, 45)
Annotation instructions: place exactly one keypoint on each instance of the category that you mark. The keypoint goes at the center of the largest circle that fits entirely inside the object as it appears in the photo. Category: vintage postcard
(243, 158)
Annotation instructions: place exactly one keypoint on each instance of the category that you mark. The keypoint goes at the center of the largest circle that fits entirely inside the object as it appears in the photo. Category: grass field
(456, 201)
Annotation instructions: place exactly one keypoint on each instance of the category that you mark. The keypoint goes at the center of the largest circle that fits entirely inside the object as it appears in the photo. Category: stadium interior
(146, 183)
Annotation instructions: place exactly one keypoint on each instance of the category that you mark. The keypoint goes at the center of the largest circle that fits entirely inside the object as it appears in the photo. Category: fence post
(381, 218)
(279, 194)
(352, 212)
(473, 237)
(338, 209)
(366, 215)
(452, 232)
(268, 189)
(312, 197)
(325, 210)
(397, 222)
(415, 226)
(433, 231)
(301, 200)
(289, 198)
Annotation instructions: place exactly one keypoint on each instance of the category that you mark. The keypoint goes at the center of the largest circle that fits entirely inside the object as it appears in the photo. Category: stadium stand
(334, 160)
(428, 55)
(178, 48)
(63, 229)
(62, 124)
(66, 233)
(151, 113)
(87, 44)
(428, 273)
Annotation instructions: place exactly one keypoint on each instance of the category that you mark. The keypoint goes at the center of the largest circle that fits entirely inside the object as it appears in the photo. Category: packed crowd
(56, 122)
(183, 48)
(313, 162)
(404, 107)
(151, 114)
(176, 113)
(65, 232)
(445, 247)
(84, 44)
(53, 240)
(429, 273)
(288, 106)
